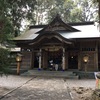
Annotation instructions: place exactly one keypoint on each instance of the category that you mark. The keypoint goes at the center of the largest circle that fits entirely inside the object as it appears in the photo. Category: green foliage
(89, 10)
(6, 30)
(76, 15)
(5, 61)
(69, 10)
(13, 12)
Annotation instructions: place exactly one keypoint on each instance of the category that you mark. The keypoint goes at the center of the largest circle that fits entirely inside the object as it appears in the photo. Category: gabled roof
(87, 31)
(65, 31)
(48, 36)
(28, 34)
(58, 25)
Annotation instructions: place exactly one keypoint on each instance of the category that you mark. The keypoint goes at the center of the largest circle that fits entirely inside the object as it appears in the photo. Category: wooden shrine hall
(61, 46)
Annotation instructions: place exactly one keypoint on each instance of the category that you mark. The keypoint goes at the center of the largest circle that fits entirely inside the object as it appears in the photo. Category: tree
(76, 15)
(87, 9)
(95, 1)
(63, 8)
(69, 6)
(69, 10)
(41, 10)
(15, 11)
(46, 10)
(12, 12)
(5, 61)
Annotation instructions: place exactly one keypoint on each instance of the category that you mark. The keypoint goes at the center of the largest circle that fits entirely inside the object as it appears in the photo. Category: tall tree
(17, 10)
(95, 1)
(69, 10)
(41, 11)
(69, 6)
(12, 12)
(88, 9)
(62, 7)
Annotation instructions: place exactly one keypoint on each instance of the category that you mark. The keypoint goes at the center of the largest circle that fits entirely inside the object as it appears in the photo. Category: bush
(5, 60)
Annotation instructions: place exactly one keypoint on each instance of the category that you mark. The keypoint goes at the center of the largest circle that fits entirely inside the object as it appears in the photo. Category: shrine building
(63, 45)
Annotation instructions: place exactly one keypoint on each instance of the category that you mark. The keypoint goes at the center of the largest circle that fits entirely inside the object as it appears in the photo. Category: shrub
(5, 60)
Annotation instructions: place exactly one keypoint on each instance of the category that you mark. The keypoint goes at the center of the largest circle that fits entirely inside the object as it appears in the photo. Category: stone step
(59, 74)
(86, 75)
(47, 72)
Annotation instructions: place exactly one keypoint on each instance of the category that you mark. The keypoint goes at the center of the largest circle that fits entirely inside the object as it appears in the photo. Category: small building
(60, 44)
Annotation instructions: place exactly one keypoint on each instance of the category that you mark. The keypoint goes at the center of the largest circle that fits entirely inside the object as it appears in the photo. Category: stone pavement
(40, 88)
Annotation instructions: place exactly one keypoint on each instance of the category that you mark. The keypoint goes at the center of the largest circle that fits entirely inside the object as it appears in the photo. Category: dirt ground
(81, 93)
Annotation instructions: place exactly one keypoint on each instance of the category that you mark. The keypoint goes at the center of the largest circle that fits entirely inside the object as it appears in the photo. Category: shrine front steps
(54, 74)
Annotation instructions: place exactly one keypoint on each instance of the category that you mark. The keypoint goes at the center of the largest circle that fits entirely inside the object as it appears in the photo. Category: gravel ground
(11, 82)
(39, 88)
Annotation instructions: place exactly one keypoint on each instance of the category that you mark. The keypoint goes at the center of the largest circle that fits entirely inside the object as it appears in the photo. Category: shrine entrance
(36, 61)
(55, 60)
(72, 62)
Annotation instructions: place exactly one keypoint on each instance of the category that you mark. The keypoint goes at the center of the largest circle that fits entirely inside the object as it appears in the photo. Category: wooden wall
(26, 60)
(90, 49)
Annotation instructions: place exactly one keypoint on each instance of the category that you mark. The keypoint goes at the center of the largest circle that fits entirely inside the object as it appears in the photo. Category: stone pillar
(40, 56)
(63, 59)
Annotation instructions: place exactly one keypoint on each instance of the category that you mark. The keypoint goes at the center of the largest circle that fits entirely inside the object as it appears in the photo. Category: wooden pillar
(32, 60)
(79, 61)
(66, 60)
(63, 59)
(40, 60)
(18, 67)
(45, 59)
(96, 56)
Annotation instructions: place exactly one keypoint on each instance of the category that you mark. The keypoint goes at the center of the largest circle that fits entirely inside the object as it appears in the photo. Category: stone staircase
(57, 74)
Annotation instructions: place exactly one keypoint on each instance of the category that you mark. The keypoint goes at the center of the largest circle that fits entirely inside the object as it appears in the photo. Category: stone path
(39, 88)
